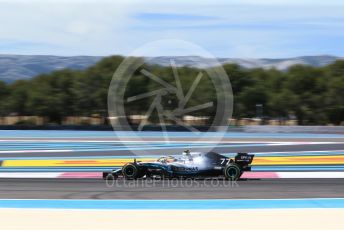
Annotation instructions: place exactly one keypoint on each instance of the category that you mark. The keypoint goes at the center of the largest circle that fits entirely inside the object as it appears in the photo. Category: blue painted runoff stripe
(124, 147)
(174, 204)
(102, 134)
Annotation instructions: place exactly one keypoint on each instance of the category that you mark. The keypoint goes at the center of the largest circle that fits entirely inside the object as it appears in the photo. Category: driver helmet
(187, 154)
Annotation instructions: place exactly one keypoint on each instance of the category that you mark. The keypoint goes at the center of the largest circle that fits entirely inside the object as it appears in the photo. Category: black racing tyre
(130, 171)
(232, 172)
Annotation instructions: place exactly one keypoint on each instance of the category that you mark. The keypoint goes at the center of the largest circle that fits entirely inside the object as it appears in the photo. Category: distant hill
(14, 67)
(249, 63)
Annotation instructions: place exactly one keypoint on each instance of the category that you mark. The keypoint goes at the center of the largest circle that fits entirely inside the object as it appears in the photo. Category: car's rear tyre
(130, 171)
(232, 172)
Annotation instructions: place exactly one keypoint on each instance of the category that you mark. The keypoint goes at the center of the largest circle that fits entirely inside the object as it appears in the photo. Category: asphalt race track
(25, 145)
(97, 189)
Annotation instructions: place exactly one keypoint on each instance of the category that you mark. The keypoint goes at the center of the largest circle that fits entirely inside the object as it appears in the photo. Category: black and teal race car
(188, 165)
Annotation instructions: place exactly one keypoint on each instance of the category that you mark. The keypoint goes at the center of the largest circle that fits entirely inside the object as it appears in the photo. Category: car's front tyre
(130, 171)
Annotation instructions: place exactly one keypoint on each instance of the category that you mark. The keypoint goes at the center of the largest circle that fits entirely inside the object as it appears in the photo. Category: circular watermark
(171, 93)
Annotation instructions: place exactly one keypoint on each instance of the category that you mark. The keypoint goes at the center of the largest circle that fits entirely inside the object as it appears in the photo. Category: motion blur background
(283, 59)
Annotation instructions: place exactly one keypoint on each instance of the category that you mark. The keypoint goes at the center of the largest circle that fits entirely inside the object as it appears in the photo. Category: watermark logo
(161, 184)
(144, 94)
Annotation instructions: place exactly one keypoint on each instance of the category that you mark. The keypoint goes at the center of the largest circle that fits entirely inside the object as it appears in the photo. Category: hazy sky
(239, 28)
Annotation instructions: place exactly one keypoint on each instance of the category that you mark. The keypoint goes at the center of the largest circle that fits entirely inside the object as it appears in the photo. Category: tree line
(311, 95)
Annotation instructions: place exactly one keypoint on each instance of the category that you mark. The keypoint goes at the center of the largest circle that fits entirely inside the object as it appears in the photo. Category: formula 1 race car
(189, 165)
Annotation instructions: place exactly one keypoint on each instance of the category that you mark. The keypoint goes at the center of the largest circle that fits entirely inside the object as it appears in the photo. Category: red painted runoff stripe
(258, 175)
(81, 175)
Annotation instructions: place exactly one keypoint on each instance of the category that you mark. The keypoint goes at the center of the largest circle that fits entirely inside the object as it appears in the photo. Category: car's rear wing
(243, 159)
